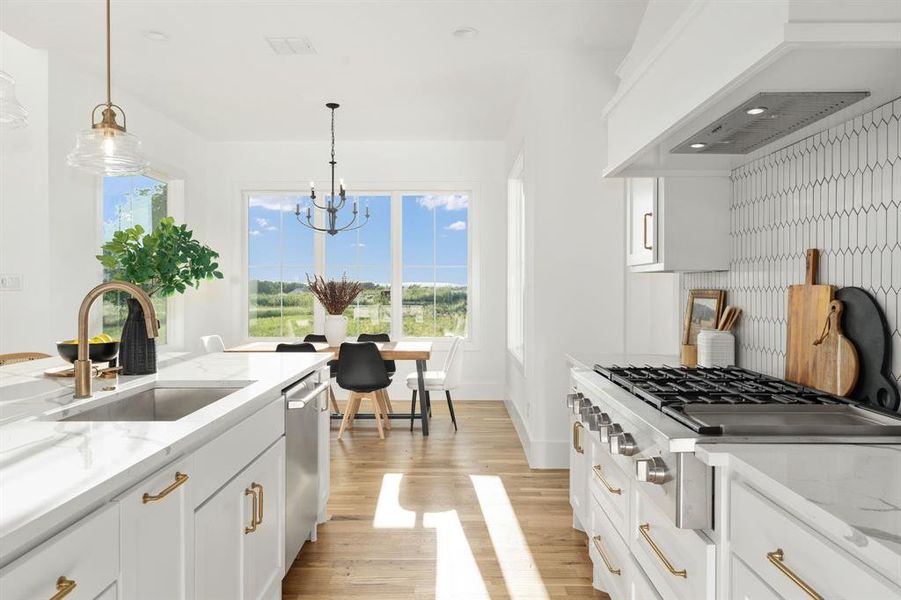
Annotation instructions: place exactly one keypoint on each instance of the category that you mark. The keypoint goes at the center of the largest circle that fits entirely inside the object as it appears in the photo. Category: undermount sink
(155, 404)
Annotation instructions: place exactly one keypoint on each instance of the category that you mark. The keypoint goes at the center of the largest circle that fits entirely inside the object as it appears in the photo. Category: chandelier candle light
(107, 148)
(331, 206)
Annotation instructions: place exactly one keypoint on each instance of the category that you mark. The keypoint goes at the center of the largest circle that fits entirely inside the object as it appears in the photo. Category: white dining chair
(445, 381)
(212, 343)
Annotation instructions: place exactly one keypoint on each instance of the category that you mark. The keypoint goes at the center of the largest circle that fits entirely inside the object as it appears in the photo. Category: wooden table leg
(423, 401)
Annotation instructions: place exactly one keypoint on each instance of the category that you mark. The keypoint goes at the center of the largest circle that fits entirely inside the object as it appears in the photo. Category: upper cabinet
(678, 223)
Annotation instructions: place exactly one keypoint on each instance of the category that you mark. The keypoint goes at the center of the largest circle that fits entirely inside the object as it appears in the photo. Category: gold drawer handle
(253, 511)
(644, 529)
(180, 478)
(777, 557)
(610, 488)
(64, 587)
(597, 544)
(644, 231)
(577, 438)
(259, 489)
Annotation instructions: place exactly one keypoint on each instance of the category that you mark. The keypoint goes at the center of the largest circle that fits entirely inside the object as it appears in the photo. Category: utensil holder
(716, 348)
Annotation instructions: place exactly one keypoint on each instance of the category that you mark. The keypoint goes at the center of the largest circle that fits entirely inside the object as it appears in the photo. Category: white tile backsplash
(838, 190)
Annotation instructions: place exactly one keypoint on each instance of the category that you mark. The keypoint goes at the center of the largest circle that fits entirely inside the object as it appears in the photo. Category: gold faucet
(83, 364)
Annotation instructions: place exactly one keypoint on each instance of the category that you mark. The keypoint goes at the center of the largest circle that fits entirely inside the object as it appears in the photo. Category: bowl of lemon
(101, 348)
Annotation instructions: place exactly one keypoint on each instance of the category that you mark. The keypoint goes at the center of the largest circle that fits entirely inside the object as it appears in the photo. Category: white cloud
(254, 232)
(264, 224)
(448, 202)
(457, 226)
(359, 245)
(272, 202)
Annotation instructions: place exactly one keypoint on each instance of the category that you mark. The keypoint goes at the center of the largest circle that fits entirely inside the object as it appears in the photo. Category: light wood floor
(449, 516)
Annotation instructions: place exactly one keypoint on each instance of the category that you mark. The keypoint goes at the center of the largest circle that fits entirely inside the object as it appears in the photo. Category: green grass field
(288, 312)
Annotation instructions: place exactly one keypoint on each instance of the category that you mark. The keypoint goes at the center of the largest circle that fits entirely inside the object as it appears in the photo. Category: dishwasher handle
(293, 401)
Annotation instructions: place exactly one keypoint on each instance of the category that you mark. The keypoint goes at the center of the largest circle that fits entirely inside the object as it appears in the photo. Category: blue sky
(435, 231)
(116, 190)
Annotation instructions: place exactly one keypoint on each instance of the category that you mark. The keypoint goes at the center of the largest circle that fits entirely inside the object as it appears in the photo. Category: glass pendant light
(107, 148)
(12, 114)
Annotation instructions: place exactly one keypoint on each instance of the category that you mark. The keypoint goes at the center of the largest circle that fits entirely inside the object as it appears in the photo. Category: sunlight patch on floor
(389, 514)
(521, 575)
(456, 574)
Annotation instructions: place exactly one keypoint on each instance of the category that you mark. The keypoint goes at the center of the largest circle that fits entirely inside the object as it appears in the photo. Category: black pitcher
(137, 352)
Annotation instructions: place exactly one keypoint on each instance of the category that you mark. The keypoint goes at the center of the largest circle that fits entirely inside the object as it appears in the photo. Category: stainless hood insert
(764, 119)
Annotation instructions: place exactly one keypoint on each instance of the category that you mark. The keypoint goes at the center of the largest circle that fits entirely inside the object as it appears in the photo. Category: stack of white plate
(716, 348)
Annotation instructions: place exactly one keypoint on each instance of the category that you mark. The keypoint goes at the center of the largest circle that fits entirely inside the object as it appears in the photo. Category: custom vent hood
(698, 66)
(764, 119)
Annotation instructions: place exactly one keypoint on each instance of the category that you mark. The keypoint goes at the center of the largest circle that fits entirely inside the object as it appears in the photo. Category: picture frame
(703, 311)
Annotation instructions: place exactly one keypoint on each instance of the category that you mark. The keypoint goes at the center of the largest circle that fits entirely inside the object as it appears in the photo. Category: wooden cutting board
(808, 307)
(835, 365)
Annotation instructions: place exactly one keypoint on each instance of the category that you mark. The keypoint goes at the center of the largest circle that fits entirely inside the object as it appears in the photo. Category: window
(435, 265)
(516, 261)
(130, 201)
(412, 258)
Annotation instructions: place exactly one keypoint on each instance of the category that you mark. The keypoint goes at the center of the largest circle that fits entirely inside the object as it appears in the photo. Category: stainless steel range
(657, 414)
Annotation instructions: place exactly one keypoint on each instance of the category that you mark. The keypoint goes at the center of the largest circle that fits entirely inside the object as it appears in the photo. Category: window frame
(396, 190)
(516, 252)
(175, 208)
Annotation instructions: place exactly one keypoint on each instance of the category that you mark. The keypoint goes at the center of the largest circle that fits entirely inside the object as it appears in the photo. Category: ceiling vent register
(765, 118)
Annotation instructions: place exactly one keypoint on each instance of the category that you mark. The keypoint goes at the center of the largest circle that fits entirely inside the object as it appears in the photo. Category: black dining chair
(306, 346)
(332, 364)
(390, 365)
(362, 372)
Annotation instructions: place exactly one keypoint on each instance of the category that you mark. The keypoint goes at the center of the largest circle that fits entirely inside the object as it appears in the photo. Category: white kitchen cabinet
(83, 559)
(578, 490)
(157, 535)
(324, 457)
(678, 224)
(239, 533)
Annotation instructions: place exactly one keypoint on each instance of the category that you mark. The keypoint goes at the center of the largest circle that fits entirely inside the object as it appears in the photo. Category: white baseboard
(541, 454)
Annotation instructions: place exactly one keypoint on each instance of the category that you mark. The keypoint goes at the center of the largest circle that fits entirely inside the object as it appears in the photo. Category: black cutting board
(864, 324)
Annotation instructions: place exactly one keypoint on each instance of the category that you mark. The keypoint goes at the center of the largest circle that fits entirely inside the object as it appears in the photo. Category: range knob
(586, 411)
(651, 470)
(609, 431)
(571, 399)
(623, 444)
(598, 419)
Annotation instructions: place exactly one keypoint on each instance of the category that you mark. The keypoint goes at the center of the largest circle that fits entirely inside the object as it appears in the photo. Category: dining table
(420, 352)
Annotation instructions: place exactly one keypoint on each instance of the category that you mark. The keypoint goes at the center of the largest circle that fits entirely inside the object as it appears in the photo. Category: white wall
(24, 204)
(575, 248)
(236, 167)
(74, 219)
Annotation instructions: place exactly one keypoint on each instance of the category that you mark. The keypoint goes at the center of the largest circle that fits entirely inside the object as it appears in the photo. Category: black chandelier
(331, 206)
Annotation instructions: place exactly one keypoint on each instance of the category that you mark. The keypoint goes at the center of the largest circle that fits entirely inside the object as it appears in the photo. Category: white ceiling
(395, 67)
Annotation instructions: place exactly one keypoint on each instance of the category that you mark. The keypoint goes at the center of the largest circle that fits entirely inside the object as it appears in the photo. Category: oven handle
(293, 403)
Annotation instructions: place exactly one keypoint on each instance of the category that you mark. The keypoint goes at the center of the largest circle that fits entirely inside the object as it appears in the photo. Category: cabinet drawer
(681, 563)
(610, 486)
(746, 585)
(87, 554)
(616, 571)
(788, 555)
(222, 458)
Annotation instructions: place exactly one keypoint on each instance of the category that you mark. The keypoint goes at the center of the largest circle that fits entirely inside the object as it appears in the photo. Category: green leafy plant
(165, 261)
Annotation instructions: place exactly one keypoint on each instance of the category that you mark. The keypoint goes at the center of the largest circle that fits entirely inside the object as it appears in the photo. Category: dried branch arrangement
(334, 294)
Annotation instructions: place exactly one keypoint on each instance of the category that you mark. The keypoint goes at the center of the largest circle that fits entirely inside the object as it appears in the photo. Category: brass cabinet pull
(253, 511)
(777, 557)
(577, 438)
(644, 231)
(610, 488)
(64, 587)
(180, 478)
(597, 544)
(259, 489)
(644, 529)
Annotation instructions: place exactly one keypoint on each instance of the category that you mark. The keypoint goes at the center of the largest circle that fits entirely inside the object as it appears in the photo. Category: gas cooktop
(732, 400)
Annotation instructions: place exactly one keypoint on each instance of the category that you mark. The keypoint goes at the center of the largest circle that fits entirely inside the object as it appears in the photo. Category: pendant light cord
(109, 87)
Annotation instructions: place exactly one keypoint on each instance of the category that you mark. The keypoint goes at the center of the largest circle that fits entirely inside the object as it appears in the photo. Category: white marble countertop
(851, 493)
(52, 473)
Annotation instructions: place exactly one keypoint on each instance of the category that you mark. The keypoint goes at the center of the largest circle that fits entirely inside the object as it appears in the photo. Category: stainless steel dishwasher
(304, 403)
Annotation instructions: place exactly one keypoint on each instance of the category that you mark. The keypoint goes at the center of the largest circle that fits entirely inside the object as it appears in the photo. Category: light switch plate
(11, 282)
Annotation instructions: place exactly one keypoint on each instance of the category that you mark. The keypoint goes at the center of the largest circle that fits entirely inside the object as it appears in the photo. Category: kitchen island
(68, 487)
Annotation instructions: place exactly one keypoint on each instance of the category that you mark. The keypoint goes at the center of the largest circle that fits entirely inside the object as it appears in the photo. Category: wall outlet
(11, 282)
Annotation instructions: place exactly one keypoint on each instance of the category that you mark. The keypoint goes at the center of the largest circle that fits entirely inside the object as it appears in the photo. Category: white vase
(335, 329)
